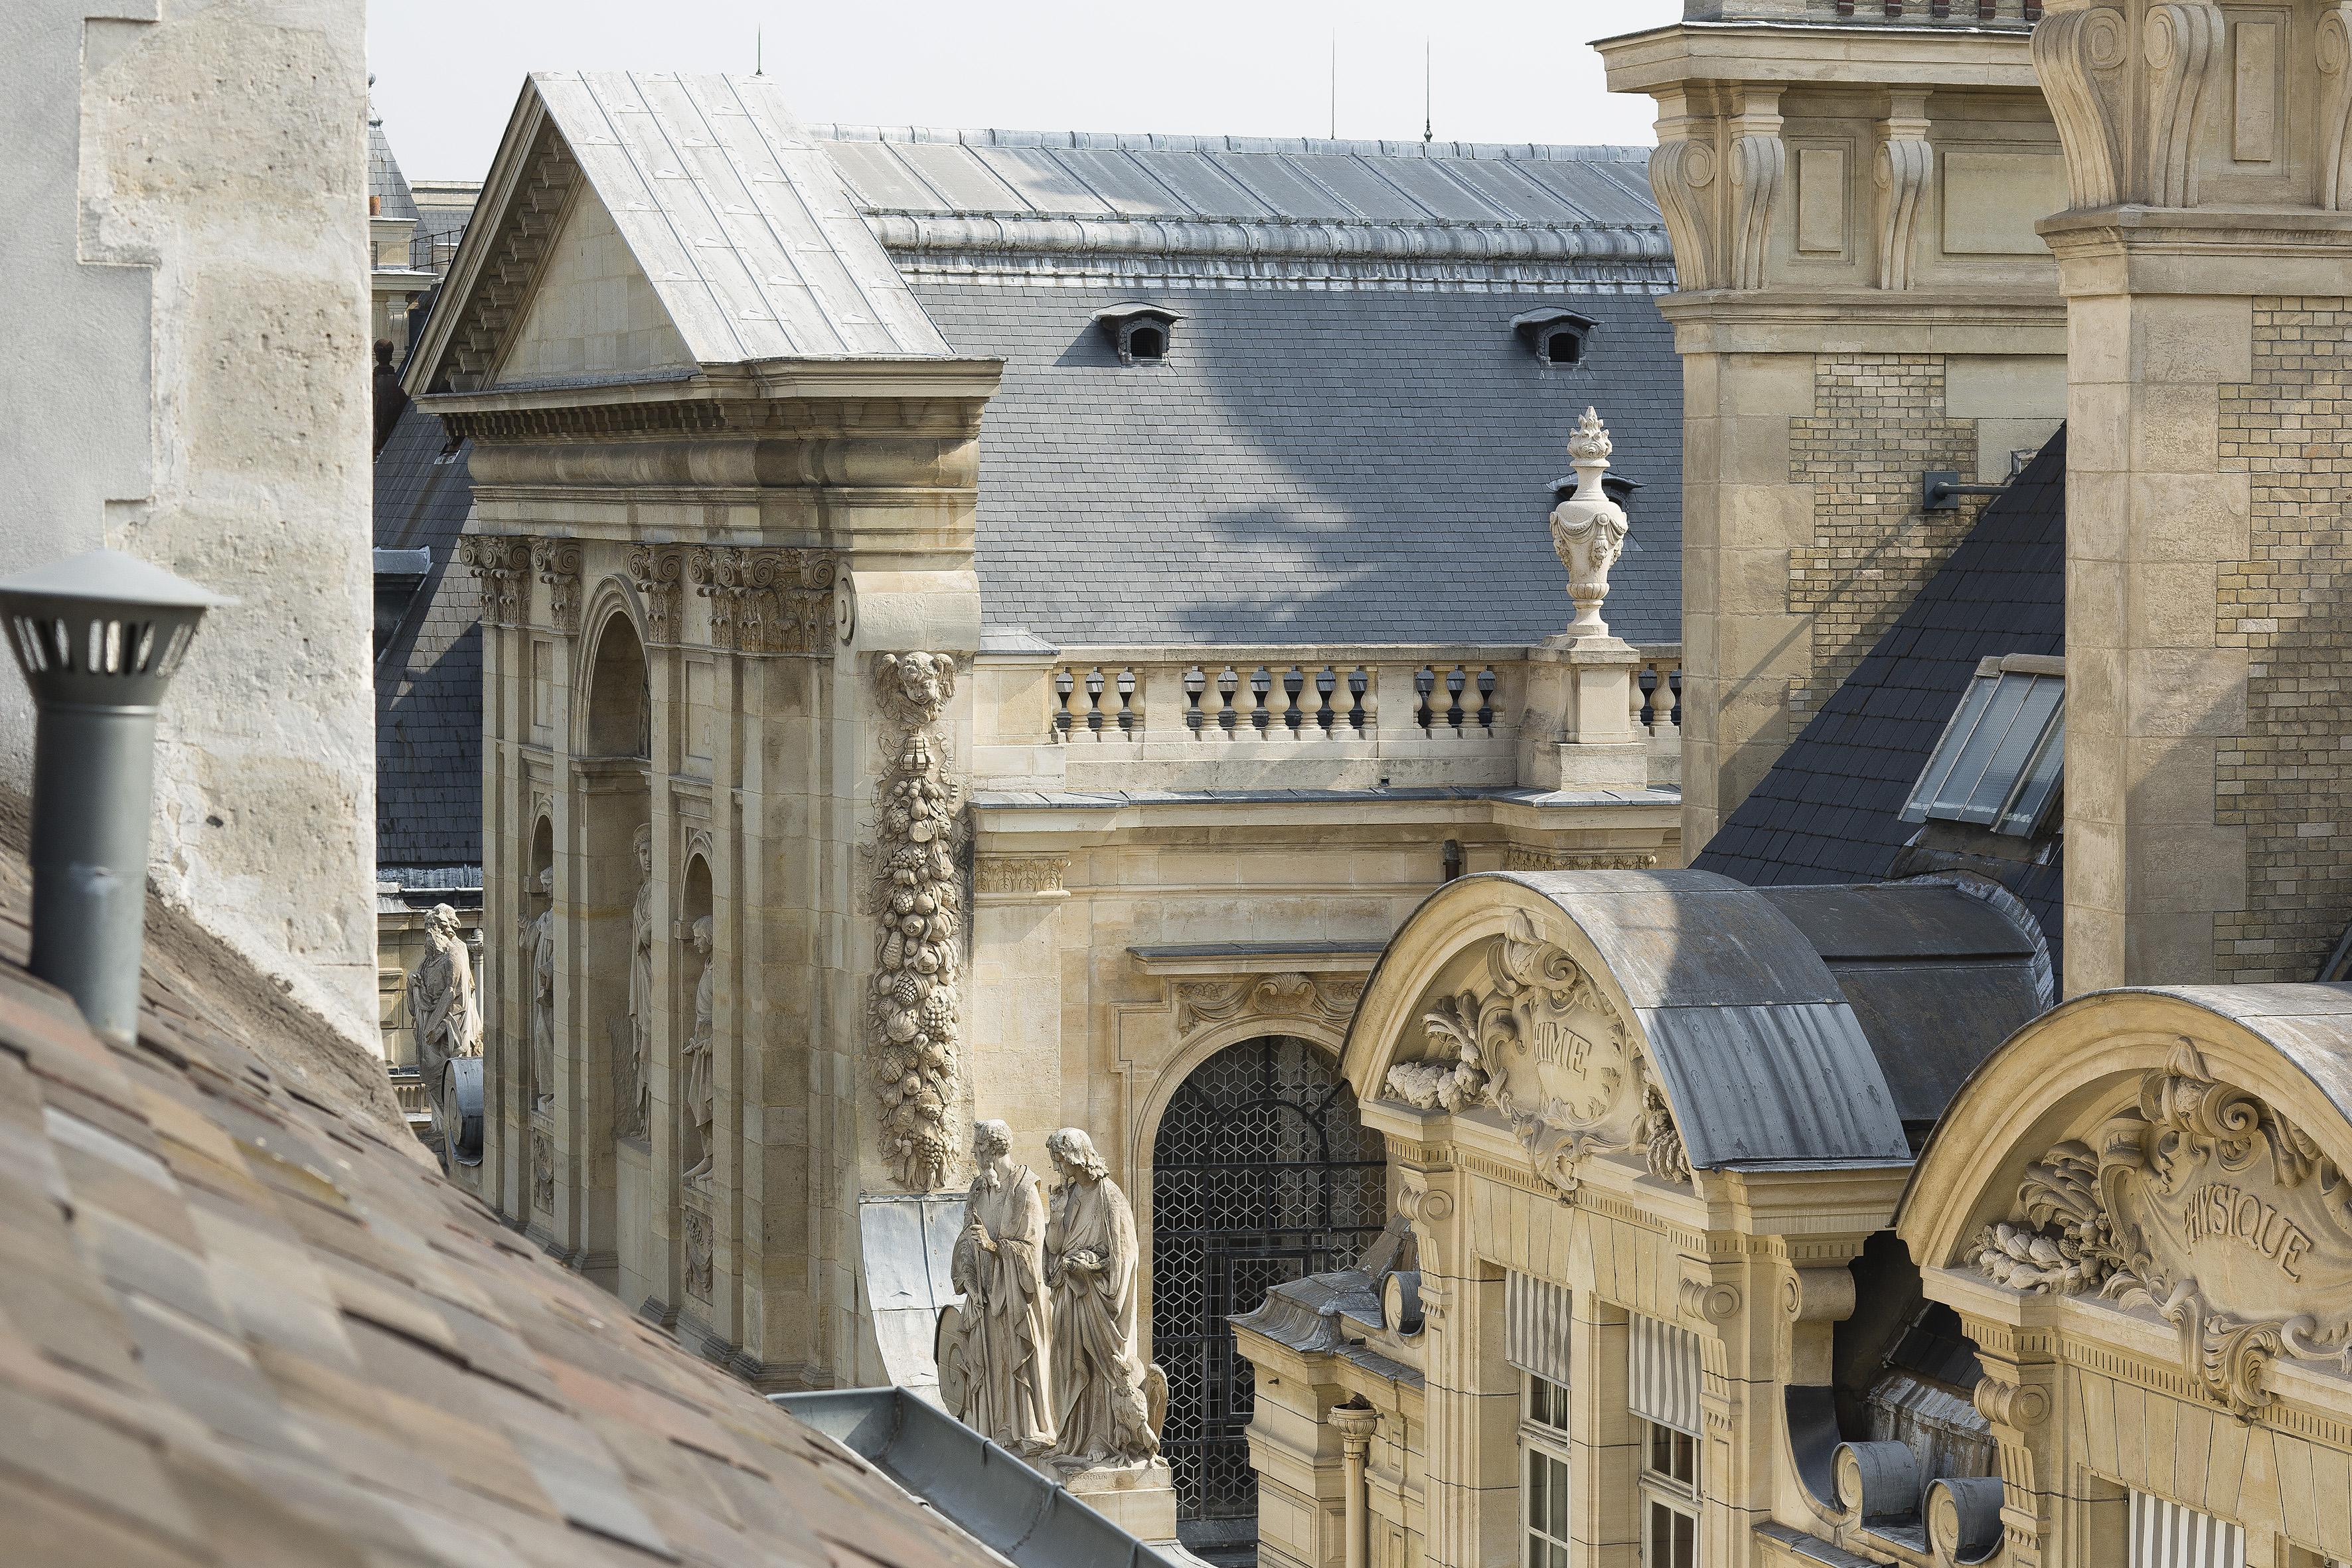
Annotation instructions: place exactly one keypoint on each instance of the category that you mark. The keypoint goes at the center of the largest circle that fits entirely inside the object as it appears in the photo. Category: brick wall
(1878, 423)
(2288, 781)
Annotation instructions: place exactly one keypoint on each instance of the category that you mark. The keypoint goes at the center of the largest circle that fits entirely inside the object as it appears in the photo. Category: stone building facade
(1026, 716)
(188, 250)
(2085, 1309)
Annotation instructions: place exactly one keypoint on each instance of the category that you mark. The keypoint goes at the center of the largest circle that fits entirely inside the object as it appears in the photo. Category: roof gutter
(974, 1483)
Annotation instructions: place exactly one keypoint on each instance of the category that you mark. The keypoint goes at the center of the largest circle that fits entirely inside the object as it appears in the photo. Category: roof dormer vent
(1140, 332)
(1556, 337)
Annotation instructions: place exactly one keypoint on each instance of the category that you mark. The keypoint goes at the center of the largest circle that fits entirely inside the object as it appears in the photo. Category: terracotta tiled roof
(243, 1322)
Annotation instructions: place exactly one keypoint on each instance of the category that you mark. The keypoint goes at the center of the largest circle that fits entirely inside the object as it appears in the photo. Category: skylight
(2004, 751)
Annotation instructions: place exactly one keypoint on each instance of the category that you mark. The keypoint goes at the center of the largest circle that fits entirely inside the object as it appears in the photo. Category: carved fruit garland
(912, 1013)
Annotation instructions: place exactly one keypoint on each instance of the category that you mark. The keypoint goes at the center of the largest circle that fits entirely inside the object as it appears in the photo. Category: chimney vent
(98, 638)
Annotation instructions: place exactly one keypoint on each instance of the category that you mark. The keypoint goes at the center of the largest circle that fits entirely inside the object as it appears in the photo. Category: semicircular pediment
(1677, 1015)
(2175, 1153)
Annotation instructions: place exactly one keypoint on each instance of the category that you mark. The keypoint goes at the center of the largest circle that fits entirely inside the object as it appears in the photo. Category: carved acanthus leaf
(766, 600)
(658, 570)
(500, 564)
(557, 563)
(2204, 1205)
(1328, 998)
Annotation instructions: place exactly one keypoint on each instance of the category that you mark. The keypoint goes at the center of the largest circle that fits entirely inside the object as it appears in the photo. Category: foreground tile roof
(244, 1319)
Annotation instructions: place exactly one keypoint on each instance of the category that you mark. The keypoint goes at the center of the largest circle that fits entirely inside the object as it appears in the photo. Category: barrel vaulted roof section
(1762, 1059)
(754, 246)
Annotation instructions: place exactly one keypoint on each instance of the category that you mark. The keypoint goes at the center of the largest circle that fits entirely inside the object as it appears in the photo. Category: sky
(1500, 70)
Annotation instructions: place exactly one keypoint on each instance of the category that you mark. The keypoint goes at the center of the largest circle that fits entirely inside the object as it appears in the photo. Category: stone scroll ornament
(1588, 528)
(1543, 1046)
(912, 1014)
(2205, 1205)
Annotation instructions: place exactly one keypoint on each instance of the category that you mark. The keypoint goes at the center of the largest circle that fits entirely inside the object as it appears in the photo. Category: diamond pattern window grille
(1261, 1174)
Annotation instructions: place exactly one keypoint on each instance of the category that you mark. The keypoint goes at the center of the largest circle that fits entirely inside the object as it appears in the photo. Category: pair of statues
(1041, 1357)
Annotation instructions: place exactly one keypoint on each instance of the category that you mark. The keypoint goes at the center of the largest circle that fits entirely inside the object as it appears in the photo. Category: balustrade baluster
(1488, 681)
(1094, 702)
(1326, 682)
(1229, 682)
(1130, 722)
(1064, 684)
(1646, 684)
(1424, 681)
(1294, 715)
(1455, 680)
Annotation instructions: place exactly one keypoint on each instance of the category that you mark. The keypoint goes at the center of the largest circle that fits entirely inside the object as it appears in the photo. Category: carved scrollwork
(499, 563)
(1549, 1051)
(2011, 1403)
(1758, 165)
(1681, 171)
(1905, 164)
(2078, 56)
(2204, 1205)
(1709, 1300)
(2332, 52)
(766, 601)
(2181, 42)
(557, 563)
(1330, 998)
(913, 1022)
(658, 570)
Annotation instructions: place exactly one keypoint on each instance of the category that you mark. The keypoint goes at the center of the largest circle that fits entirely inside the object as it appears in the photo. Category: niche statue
(539, 949)
(1108, 1405)
(637, 1114)
(701, 1100)
(995, 1351)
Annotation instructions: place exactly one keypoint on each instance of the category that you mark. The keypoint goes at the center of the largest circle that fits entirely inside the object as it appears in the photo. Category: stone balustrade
(1297, 716)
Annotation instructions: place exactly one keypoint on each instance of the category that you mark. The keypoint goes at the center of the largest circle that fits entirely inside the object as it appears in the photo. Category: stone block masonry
(2287, 781)
(1878, 423)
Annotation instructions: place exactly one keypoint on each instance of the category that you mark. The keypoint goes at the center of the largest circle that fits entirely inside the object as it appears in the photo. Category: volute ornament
(1548, 1051)
(2205, 1205)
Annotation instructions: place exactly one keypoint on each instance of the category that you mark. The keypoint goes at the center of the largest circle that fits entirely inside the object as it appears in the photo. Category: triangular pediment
(592, 313)
(633, 223)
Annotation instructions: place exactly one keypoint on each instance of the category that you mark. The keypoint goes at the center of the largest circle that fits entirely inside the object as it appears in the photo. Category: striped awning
(2166, 1534)
(1662, 1374)
(1535, 1326)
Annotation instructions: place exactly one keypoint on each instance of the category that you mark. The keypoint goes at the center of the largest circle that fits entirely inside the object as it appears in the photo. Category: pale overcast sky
(1503, 70)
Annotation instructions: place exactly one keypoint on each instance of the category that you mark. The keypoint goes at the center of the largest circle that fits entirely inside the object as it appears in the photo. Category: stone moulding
(1035, 876)
(913, 1020)
(1542, 1046)
(766, 600)
(2205, 1205)
(1524, 858)
(1328, 997)
(501, 564)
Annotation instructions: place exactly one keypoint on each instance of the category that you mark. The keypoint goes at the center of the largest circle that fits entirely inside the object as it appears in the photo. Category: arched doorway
(1261, 1174)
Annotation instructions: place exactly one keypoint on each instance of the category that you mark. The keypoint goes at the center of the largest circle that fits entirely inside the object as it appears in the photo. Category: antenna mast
(1335, 84)
(1428, 123)
(758, 51)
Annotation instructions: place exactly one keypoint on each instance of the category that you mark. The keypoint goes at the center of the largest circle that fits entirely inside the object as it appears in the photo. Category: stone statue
(539, 948)
(637, 1115)
(700, 1096)
(1002, 1335)
(1588, 529)
(1103, 1393)
(444, 1010)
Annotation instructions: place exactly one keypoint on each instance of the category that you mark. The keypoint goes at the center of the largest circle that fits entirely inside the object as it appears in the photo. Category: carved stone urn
(1588, 529)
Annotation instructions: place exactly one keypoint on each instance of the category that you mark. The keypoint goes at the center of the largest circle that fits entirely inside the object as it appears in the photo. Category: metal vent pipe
(98, 638)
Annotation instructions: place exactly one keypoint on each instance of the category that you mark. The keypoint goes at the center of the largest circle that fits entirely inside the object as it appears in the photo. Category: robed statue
(701, 1086)
(444, 1009)
(1104, 1395)
(539, 948)
(637, 1116)
(997, 1368)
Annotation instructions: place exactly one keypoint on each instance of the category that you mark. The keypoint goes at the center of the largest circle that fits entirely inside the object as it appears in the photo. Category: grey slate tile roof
(384, 178)
(1361, 465)
(428, 681)
(1830, 810)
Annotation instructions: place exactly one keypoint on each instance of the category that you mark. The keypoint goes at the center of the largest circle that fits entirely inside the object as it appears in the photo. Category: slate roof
(741, 222)
(384, 178)
(428, 681)
(244, 1319)
(1365, 465)
(1240, 178)
(1830, 810)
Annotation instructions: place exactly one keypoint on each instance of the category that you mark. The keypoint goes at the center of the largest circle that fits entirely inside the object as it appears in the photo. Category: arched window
(619, 708)
(1261, 1174)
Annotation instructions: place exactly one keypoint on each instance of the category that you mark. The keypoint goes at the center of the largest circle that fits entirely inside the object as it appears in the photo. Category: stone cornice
(2201, 251)
(1922, 318)
(708, 408)
(1824, 54)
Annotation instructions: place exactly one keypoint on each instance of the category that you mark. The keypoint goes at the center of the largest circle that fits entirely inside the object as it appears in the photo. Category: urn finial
(1588, 529)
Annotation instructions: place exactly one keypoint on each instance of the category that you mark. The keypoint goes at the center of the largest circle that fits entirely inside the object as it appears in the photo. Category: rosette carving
(912, 1013)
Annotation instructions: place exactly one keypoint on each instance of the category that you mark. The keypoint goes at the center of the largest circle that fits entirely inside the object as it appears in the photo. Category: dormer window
(2001, 758)
(1556, 337)
(1141, 332)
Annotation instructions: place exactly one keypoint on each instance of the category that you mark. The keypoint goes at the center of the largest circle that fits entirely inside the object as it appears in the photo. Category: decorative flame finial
(1588, 529)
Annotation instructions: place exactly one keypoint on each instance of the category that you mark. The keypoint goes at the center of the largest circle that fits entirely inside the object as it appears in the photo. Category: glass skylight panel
(2000, 760)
